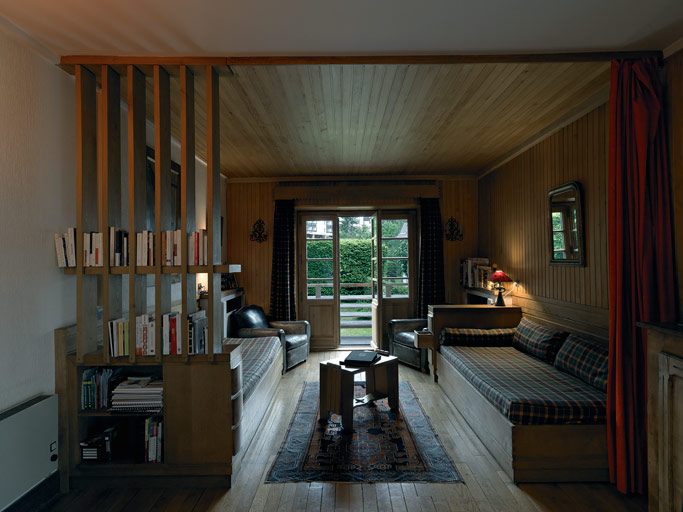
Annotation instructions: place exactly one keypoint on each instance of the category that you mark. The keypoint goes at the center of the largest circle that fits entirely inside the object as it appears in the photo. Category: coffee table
(336, 387)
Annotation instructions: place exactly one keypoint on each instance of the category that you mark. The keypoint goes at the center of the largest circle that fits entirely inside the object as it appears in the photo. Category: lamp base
(500, 301)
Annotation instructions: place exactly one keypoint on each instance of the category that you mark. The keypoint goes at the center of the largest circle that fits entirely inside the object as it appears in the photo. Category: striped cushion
(537, 340)
(526, 390)
(584, 359)
(455, 336)
(258, 355)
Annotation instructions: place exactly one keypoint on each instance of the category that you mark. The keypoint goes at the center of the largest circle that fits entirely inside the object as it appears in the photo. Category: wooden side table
(426, 339)
(336, 387)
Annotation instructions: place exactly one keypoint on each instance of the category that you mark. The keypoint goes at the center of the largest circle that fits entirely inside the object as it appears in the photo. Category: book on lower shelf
(96, 386)
(139, 441)
(145, 342)
(198, 332)
(171, 334)
(118, 247)
(93, 248)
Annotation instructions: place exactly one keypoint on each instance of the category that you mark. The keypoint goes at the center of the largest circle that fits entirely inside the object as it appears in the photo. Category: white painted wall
(37, 191)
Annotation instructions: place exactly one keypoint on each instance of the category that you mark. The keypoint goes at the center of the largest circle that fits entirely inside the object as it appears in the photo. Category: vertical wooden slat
(213, 208)
(86, 206)
(162, 193)
(110, 194)
(137, 193)
(187, 186)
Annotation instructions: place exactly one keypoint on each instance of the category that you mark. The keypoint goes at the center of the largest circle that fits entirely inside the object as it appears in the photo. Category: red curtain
(640, 258)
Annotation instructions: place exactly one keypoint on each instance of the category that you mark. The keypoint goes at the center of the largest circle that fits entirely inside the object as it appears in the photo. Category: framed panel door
(319, 284)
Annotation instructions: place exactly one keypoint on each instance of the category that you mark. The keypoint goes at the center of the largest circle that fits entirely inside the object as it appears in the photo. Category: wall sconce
(453, 230)
(258, 232)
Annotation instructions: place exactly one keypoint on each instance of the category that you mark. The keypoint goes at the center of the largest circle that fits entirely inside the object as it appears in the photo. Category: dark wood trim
(288, 60)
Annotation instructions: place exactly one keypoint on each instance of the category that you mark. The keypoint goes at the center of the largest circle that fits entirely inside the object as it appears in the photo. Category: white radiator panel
(28, 441)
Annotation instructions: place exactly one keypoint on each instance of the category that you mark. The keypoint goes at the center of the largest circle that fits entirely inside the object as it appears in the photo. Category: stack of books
(65, 247)
(138, 395)
(96, 384)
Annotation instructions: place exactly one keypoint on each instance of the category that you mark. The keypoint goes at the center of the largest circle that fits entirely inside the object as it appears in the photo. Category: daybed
(255, 380)
(534, 395)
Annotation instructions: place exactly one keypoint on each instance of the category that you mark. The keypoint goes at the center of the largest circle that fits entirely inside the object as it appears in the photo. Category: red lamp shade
(500, 277)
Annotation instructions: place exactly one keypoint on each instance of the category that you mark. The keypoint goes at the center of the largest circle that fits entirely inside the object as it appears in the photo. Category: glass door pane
(355, 279)
(319, 259)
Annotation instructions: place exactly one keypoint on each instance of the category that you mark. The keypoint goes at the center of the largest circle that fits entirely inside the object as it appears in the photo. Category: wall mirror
(565, 225)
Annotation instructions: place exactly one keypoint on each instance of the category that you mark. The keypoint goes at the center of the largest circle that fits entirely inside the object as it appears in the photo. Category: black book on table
(360, 358)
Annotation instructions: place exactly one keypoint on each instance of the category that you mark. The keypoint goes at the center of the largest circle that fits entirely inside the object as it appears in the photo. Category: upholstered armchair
(402, 343)
(295, 336)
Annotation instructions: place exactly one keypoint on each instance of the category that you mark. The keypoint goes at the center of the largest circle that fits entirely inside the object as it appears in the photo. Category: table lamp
(500, 277)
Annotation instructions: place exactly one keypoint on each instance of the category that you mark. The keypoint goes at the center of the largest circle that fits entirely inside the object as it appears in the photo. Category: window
(565, 233)
(319, 259)
(395, 254)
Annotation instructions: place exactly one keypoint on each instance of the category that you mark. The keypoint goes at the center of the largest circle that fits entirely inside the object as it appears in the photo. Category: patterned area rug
(384, 446)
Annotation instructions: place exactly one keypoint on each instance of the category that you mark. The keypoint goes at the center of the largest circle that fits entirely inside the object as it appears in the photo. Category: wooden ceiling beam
(68, 61)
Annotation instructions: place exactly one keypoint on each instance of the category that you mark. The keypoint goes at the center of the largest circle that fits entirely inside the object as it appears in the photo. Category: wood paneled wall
(248, 202)
(513, 224)
(674, 69)
(459, 200)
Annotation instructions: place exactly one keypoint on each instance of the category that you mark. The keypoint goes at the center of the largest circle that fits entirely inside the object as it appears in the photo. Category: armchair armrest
(293, 326)
(407, 325)
(249, 332)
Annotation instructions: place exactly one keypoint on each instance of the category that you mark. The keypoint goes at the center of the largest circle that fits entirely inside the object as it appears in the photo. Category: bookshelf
(198, 415)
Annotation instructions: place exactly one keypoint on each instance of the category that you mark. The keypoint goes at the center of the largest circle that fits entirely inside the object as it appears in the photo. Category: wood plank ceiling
(301, 120)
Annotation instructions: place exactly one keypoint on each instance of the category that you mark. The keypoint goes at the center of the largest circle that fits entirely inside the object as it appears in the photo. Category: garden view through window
(362, 269)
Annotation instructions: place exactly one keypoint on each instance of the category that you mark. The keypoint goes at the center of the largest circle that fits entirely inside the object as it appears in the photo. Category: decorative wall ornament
(258, 232)
(453, 230)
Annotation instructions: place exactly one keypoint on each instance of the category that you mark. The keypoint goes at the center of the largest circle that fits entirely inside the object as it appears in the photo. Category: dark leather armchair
(402, 343)
(295, 336)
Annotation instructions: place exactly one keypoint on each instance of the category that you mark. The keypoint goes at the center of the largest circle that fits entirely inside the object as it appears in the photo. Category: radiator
(28, 447)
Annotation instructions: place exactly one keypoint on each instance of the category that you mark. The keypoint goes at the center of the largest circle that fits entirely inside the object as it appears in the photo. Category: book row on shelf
(96, 384)
(120, 336)
(108, 446)
(475, 272)
(65, 248)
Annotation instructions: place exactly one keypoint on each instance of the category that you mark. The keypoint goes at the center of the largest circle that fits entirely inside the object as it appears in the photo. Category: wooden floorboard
(487, 488)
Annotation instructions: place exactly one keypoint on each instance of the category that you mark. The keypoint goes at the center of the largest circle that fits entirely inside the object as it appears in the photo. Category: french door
(355, 273)
(318, 271)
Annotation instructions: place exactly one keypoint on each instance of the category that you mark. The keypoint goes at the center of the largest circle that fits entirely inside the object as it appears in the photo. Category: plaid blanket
(258, 355)
(527, 391)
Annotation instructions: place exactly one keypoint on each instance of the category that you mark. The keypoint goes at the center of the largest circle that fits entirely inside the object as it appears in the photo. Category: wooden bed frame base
(255, 408)
(528, 453)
